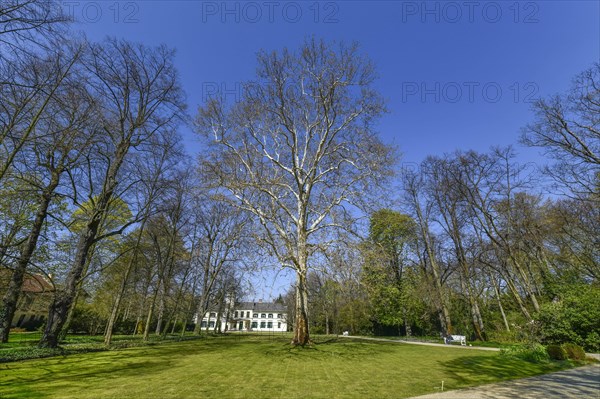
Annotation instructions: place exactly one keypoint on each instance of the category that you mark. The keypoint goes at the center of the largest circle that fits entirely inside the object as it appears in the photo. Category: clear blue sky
(455, 74)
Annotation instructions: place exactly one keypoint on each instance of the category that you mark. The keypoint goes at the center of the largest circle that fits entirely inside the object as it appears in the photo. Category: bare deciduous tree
(65, 132)
(27, 24)
(138, 91)
(567, 129)
(298, 150)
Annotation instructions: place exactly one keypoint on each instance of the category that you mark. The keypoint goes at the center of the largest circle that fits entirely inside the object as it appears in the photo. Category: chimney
(260, 300)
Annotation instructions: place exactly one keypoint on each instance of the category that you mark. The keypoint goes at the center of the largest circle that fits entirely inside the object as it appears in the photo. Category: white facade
(248, 316)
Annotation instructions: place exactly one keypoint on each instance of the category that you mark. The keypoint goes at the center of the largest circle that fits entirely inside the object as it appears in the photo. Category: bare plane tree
(298, 150)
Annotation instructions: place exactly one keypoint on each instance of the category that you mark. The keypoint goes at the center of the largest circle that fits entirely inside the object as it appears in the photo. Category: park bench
(455, 338)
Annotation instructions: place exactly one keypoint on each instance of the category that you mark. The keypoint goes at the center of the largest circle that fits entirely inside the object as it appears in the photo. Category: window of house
(235, 314)
(278, 325)
(211, 324)
(241, 325)
(270, 315)
(28, 301)
(262, 324)
(279, 315)
(262, 316)
(254, 324)
(255, 315)
(213, 314)
(248, 314)
(270, 324)
(203, 324)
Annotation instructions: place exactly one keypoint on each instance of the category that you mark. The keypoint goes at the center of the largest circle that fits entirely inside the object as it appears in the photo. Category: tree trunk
(151, 312)
(517, 296)
(500, 305)
(301, 333)
(70, 313)
(444, 314)
(201, 311)
(115, 309)
(63, 300)
(11, 297)
(161, 313)
(474, 308)
(407, 327)
(149, 319)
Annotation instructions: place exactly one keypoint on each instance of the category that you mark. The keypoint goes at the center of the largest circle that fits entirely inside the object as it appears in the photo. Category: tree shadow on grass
(476, 370)
(130, 362)
(574, 383)
(327, 349)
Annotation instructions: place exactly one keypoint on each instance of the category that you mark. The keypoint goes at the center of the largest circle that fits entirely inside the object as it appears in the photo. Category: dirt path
(581, 382)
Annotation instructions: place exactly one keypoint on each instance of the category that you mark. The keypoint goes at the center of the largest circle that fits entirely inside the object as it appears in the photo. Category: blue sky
(456, 75)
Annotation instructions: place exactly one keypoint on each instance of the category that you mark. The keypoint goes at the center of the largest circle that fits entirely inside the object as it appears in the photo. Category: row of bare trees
(482, 245)
(96, 193)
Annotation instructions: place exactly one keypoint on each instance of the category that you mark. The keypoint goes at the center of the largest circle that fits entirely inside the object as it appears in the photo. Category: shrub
(592, 342)
(574, 316)
(33, 352)
(534, 353)
(556, 352)
(574, 352)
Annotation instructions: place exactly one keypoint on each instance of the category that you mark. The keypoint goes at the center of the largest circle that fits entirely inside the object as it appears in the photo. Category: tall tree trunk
(11, 297)
(149, 317)
(444, 313)
(161, 312)
(202, 309)
(301, 333)
(63, 300)
(474, 308)
(511, 286)
(70, 314)
(407, 327)
(500, 304)
(115, 309)
(301, 326)
(175, 313)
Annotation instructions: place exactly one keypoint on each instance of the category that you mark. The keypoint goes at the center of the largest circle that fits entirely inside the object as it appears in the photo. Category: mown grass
(260, 367)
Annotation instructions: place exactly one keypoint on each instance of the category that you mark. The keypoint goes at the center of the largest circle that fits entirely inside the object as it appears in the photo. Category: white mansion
(248, 316)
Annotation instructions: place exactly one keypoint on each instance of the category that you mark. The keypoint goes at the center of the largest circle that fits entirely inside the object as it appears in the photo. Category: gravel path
(578, 383)
(480, 348)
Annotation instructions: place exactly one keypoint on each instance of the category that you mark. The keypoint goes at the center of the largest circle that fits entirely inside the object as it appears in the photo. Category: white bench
(456, 338)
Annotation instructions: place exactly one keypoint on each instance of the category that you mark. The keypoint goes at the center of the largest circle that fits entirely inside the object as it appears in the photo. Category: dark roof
(32, 282)
(261, 306)
(36, 283)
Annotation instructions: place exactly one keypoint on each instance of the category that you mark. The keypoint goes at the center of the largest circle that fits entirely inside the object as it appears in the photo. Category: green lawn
(260, 367)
